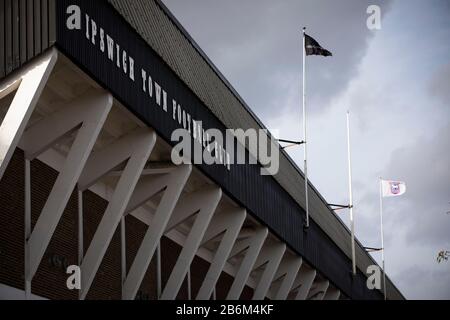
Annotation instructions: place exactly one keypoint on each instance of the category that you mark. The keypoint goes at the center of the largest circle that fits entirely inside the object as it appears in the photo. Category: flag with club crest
(393, 188)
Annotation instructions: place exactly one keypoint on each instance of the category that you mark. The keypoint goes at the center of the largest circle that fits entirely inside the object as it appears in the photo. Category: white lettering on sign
(96, 36)
(209, 146)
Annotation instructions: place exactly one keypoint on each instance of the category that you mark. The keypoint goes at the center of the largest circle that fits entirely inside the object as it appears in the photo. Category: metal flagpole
(350, 190)
(304, 130)
(382, 237)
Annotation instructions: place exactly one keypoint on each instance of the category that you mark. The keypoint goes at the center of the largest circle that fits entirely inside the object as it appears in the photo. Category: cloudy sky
(396, 83)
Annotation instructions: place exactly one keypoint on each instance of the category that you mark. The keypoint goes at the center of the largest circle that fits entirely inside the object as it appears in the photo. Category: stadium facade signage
(136, 76)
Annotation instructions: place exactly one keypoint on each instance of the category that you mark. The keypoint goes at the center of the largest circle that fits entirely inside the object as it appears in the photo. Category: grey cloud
(257, 44)
(440, 85)
(426, 167)
(425, 283)
(420, 215)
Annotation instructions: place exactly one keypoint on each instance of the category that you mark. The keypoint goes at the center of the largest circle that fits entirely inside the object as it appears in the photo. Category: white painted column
(189, 287)
(27, 228)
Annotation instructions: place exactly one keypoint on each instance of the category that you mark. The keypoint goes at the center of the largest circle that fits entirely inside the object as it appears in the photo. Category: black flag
(313, 48)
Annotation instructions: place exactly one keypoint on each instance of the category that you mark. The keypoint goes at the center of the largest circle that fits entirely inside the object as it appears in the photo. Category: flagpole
(382, 237)
(350, 190)
(304, 130)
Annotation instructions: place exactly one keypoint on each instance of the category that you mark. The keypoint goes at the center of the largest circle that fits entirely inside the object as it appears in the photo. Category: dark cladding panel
(15, 28)
(23, 31)
(8, 37)
(51, 22)
(2, 38)
(27, 28)
(37, 26)
(30, 29)
(44, 24)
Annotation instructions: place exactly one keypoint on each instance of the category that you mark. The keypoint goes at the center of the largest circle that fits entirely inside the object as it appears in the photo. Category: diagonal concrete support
(205, 203)
(271, 256)
(29, 85)
(135, 149)
(332, 294)
(79, 113)
(231, 222)
(319, 290)
(287, 271)
(304, 282)
(91, 115)
(173, 184)
(253, 246)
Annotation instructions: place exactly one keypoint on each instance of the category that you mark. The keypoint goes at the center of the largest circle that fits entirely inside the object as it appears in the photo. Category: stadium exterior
(90, 94)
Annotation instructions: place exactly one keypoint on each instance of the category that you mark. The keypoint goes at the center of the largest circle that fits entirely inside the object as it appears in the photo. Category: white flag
(393, 188)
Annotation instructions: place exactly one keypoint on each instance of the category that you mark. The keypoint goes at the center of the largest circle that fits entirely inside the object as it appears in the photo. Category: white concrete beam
(139, 152)
(319, 290)
(174, 184)
(253, 247)
(231, 222)
(272, 256)
(205, 203)
(304, 282)
(106, 160)
(288, 272)
(45, 133)
(95, 112)
(189, 205)
(30, 86)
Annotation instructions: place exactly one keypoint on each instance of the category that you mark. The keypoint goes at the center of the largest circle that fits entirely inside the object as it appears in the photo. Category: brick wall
(50, 279)
(12, 224)
(135, 231)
